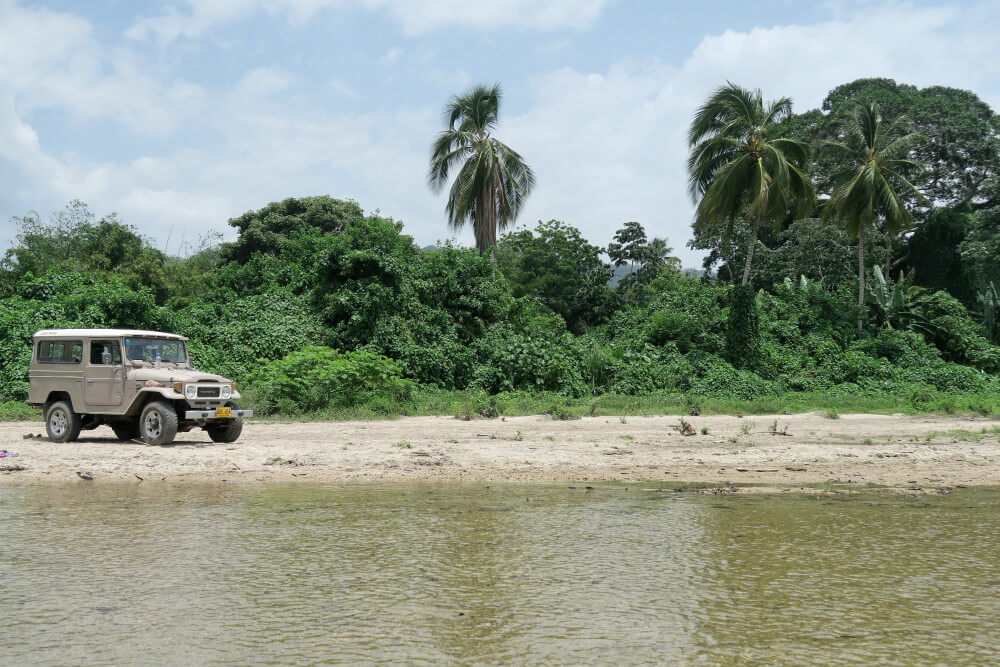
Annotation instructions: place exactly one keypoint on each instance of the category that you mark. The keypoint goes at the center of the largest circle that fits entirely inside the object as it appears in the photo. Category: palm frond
(900, 146)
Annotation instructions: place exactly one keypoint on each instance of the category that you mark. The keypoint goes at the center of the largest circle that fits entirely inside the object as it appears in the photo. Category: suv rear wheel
(61, 423)
(158, 423)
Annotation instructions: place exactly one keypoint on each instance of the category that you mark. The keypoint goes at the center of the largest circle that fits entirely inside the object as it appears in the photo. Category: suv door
(105, 376)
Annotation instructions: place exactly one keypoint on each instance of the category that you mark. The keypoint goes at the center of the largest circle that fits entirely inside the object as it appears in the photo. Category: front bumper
(210, 414)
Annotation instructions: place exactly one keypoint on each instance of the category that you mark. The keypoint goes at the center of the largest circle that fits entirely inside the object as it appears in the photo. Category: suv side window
(105, 353)
(60, 351)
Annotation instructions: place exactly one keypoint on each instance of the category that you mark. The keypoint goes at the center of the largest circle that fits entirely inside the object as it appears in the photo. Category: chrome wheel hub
(58, 422)
(153, 425)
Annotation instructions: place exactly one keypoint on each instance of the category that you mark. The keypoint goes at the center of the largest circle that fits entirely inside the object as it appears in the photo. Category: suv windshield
(155, 349)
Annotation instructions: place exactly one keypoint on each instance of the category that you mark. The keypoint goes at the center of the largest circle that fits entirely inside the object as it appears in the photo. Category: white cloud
(427, 15)
(415, 16)
(52, 60)
(390, 57)
(341, 87)
(265, 81)
(610, 146)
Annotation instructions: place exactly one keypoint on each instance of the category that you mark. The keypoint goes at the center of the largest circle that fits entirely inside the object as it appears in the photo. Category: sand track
(880, 449)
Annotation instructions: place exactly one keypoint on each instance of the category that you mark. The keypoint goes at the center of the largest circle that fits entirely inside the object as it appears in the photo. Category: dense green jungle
(320, 308)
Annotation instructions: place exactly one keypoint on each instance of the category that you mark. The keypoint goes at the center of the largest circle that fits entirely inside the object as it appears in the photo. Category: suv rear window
(60, 351)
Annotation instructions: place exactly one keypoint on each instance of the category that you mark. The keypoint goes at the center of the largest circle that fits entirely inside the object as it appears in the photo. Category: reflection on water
(432, 574)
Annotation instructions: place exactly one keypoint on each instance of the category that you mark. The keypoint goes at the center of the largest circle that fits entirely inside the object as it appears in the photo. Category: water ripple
(506, 574)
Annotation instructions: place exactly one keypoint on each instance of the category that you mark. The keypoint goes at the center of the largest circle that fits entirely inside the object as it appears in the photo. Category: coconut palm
(492, 180)
(869, 187)
(740, 166)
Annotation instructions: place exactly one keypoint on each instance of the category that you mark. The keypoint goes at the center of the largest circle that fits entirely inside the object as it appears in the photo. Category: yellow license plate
(223, 412)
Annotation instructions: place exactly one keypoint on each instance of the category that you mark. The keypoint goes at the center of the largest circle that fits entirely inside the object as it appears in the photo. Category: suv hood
(170, 375)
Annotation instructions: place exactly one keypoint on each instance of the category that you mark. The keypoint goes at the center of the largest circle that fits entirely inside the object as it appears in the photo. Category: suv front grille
(208, 392)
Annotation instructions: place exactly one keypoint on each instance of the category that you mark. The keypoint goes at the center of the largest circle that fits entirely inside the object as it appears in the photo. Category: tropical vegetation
(319, 307)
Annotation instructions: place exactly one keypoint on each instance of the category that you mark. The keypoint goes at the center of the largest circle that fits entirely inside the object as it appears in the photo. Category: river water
(219, 574)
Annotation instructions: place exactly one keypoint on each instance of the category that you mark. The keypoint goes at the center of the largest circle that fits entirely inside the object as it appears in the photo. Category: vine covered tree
(740, 166)
(493, 180)
(870, 185)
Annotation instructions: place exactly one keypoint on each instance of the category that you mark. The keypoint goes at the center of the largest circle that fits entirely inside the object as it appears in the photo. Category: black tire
(158, 423)
(61, 423)
(126, 430)
(227, 432)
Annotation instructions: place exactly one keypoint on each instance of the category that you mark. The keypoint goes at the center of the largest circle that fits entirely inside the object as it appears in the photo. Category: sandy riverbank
(879, 449)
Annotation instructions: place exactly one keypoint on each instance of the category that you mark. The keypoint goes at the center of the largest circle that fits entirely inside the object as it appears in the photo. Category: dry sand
(887, 450)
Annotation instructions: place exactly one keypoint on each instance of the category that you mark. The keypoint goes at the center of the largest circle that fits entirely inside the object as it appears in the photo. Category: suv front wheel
(61, 423)
(158, 423)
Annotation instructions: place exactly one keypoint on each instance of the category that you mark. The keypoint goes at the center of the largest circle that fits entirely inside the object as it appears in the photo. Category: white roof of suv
(105, 333)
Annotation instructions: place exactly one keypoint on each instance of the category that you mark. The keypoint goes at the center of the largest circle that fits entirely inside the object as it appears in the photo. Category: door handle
(90, 380)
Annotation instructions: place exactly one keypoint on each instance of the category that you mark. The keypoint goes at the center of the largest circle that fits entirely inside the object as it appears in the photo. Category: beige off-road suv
(140, 383)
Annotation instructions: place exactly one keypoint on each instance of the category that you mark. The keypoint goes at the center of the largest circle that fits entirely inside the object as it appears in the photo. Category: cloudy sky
(182, 114)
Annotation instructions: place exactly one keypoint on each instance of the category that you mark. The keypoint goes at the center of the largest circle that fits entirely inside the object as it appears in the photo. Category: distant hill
(620, 273)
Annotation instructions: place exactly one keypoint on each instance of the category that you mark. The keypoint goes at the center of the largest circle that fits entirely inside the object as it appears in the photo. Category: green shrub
(561, 411)
(672, 326)
(535, 360)
(955, 379)
(18, 411)
(960, 338)
(904, 347)
(723, 381)
(317, 378)
(921, 395)
(647, 369)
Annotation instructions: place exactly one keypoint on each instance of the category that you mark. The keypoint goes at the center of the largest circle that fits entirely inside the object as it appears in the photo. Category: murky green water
(466, 574)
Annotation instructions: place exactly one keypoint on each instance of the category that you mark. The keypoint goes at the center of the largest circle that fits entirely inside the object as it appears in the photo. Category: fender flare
(144, 395)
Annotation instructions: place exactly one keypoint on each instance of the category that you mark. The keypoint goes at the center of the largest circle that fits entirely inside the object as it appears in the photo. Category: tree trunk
(753, 244)
(485, 225)
(861, 276)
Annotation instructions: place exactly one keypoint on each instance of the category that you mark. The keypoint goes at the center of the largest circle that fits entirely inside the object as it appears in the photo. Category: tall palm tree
(493, 179)
(739, 165)
(868, 187)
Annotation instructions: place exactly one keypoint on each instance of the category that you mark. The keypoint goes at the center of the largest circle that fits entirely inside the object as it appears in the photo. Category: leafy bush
(905, 347)
(316, 378)
(230, 337)
(672, 326)
(721, 380)
(18, 411)
(952, 378)
(538, 359)
(960, 338)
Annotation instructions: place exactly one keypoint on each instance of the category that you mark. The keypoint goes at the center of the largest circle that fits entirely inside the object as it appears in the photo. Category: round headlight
(190, 391)
(226, 391)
